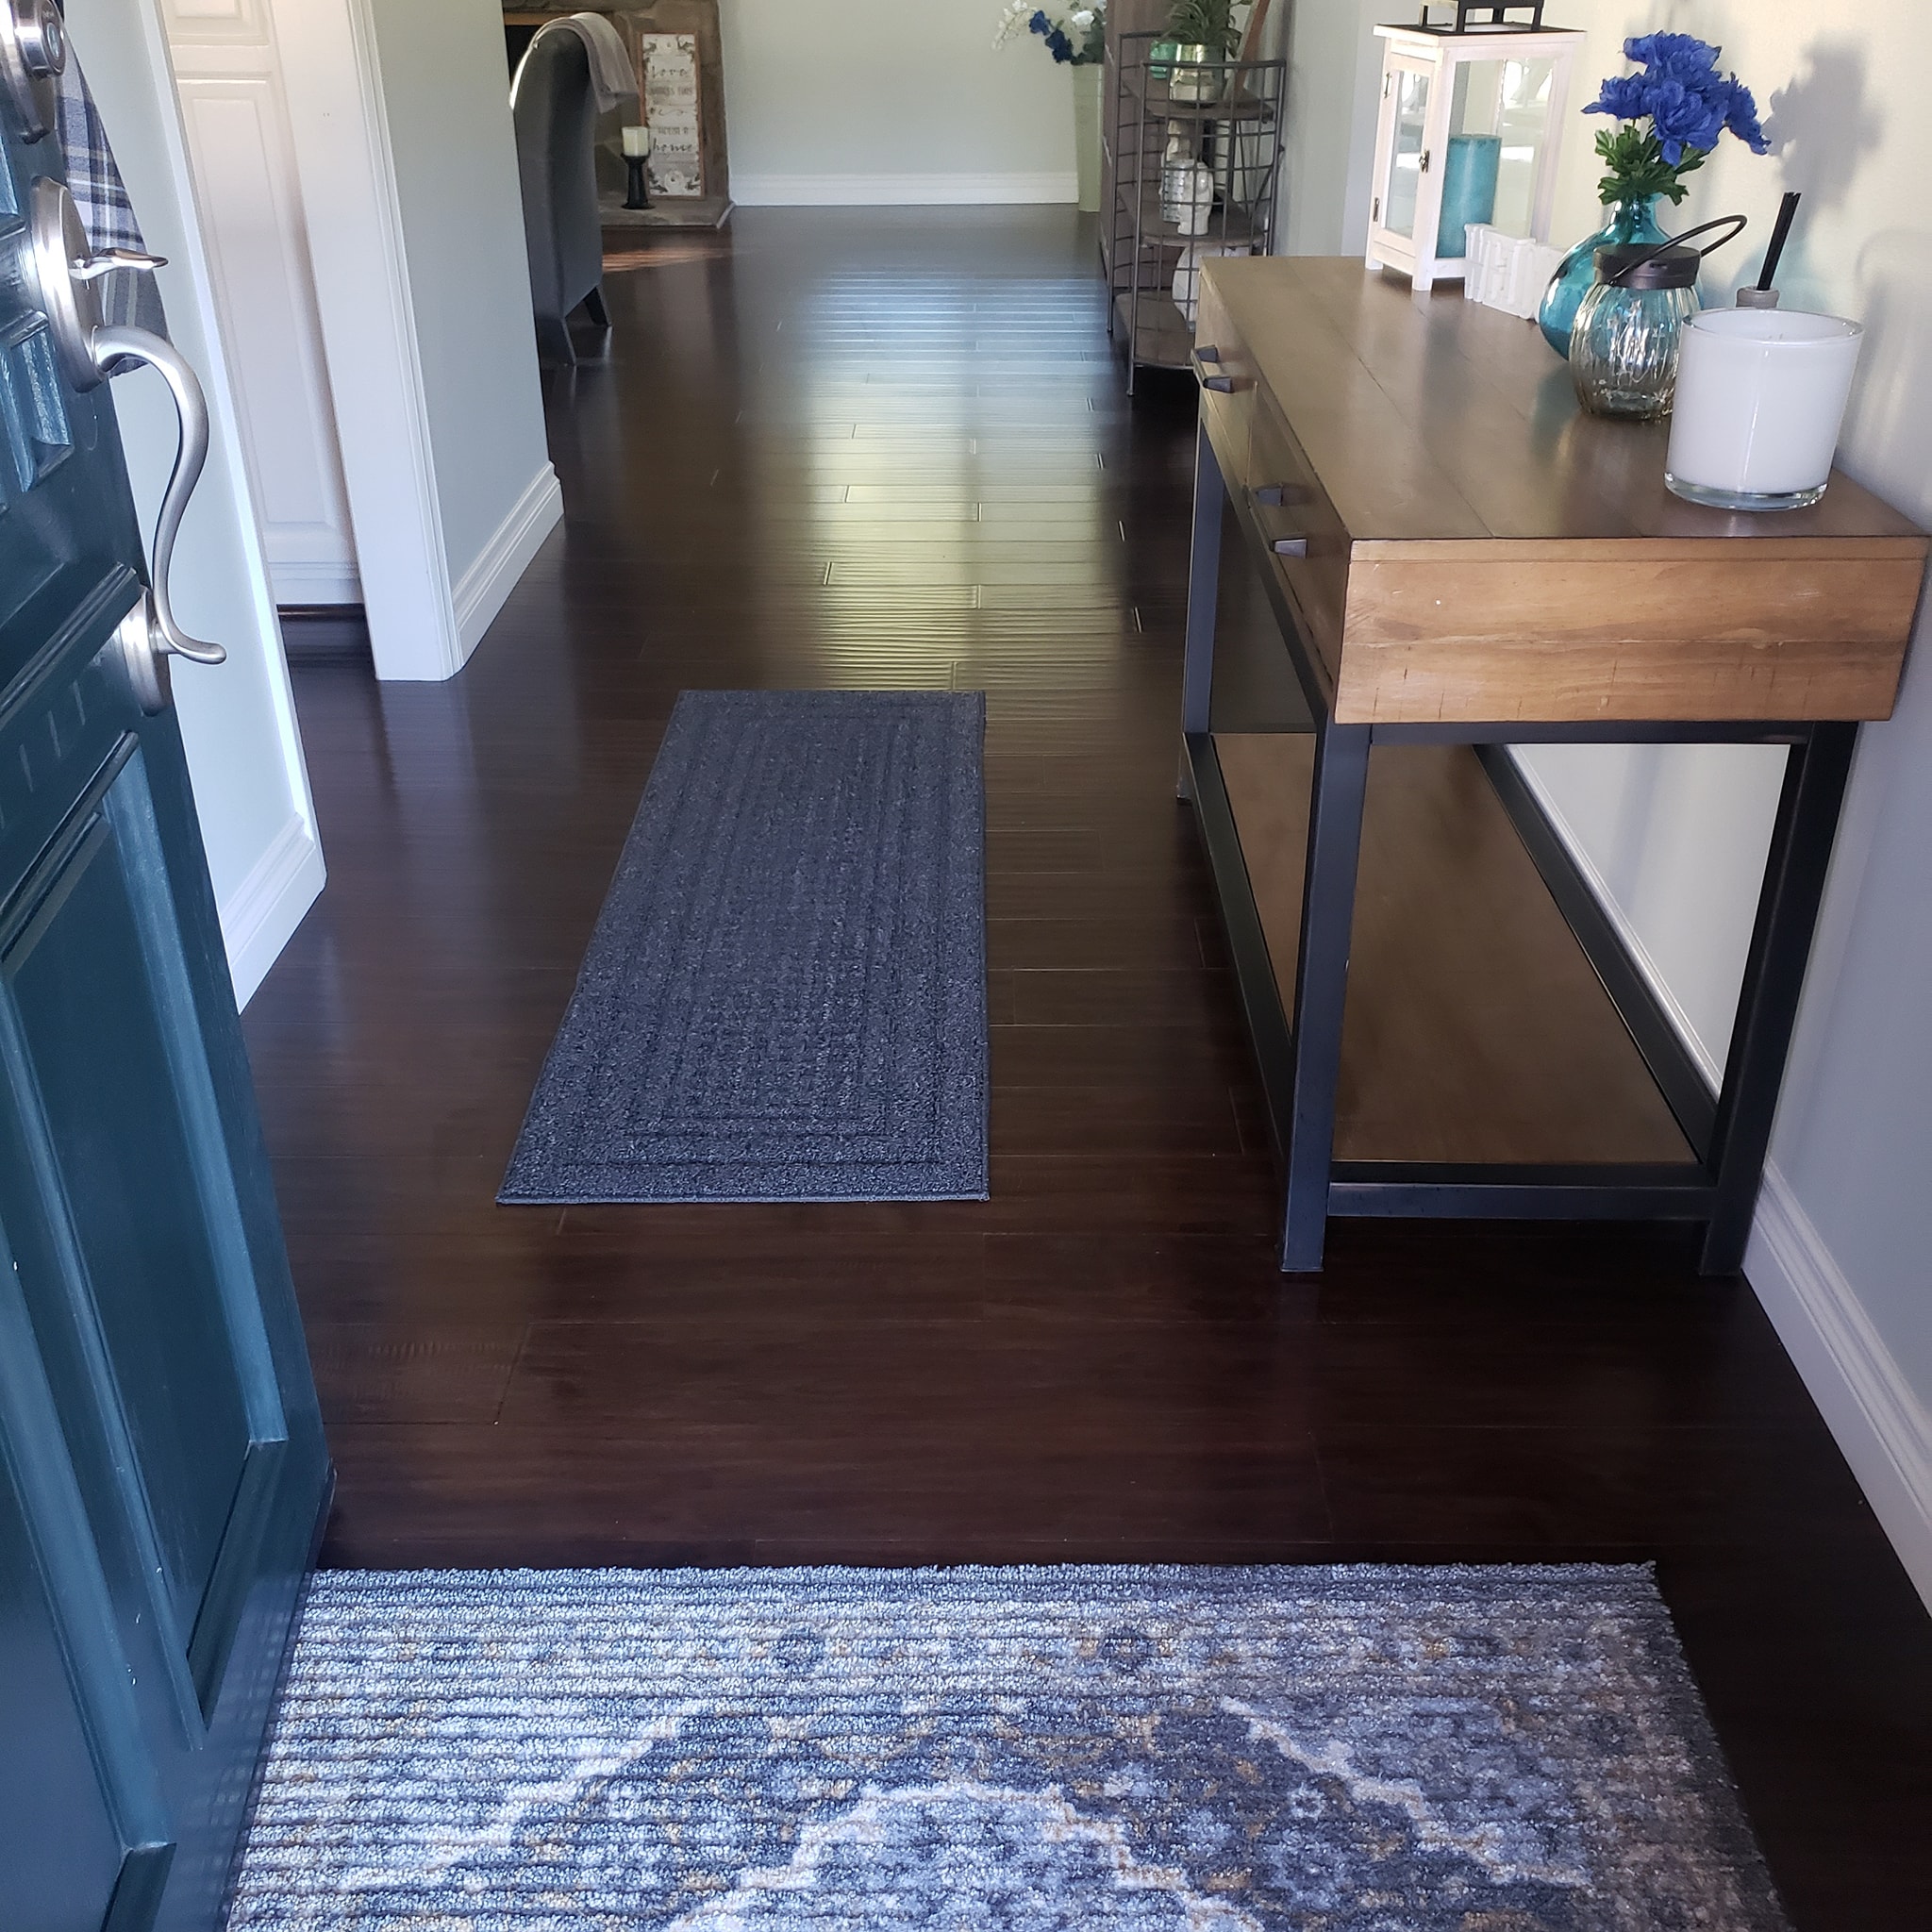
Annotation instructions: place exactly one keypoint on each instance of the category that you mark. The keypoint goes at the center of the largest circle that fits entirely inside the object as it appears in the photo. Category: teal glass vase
(1633, 220)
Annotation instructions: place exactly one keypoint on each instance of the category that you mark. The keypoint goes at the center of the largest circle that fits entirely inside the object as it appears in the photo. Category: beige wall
(445, 88)
(868, 101)
(1844, 96)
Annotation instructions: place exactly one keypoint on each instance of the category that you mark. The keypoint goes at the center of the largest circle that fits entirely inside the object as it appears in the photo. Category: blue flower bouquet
(1074, 36)
(1673, 112)
(1689, 106)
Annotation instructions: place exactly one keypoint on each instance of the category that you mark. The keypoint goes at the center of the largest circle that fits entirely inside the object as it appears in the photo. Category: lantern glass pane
(1406, 151)
(1499, 122)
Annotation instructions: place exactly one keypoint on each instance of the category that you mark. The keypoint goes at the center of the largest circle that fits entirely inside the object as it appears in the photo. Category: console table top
(1431, 417)
(1474, 546)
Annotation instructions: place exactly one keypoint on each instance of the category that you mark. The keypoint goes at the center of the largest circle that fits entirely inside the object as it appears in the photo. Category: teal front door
(161, 1459)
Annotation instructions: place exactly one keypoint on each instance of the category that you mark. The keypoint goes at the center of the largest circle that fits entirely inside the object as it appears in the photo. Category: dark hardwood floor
(891, 448)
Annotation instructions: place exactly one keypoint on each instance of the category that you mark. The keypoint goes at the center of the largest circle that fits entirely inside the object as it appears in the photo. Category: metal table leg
(1334, 828)
(1801, 842)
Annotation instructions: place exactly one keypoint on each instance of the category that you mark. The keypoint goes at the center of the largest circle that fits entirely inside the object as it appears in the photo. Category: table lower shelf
(1481, 1056)
(1165, 337)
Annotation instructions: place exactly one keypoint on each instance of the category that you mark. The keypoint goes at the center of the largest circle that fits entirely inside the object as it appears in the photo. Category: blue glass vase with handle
(1634, 220)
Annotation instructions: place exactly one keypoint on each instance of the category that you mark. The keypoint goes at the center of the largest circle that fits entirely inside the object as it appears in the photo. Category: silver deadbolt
(33, 56)
(68, 274)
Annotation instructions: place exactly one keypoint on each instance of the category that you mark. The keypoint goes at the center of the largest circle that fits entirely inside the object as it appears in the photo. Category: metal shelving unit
(1224, 113)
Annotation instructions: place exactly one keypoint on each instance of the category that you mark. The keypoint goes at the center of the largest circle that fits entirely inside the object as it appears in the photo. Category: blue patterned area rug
(785, 996)
(1086, 1750)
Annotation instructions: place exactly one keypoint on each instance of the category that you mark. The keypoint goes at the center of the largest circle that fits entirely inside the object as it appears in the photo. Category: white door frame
(334, 85)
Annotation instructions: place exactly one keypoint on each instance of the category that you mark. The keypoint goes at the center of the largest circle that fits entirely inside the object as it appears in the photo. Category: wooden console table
(1442, 556)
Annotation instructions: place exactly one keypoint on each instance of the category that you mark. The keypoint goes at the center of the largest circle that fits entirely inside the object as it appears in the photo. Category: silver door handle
(33, 56)
(66, 269)
(107, 343)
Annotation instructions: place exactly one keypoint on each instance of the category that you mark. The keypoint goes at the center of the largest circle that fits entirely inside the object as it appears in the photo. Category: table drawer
(1290, 507)
(1228, 405)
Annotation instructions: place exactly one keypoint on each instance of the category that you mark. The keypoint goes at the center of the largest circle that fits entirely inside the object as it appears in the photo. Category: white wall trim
(1612, 910)
(1883, 1428)
(263, 911)
(332, 73)
(481, 590)
(902, 190)
(306, 582)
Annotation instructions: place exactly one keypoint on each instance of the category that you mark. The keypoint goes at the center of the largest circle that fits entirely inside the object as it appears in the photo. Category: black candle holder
(640, 196)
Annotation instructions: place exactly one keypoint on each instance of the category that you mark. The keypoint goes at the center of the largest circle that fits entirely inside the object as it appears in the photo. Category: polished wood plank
(1102, 1362)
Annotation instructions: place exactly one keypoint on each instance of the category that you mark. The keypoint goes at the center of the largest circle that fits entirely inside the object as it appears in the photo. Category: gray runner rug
(1045, 1750)
(785, 996)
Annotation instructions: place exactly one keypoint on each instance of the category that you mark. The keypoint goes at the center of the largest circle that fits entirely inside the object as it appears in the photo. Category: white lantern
(1472, 116)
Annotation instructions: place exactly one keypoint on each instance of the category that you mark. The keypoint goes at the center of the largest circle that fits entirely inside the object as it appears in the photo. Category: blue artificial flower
(1680, 56)
(1057, 43)
(1684, 118)
(1741, 116)
(1624, 96)
(1686, 101)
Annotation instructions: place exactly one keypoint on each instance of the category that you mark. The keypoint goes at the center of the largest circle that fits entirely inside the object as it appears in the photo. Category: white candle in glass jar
(637, 140)
(1761, 395)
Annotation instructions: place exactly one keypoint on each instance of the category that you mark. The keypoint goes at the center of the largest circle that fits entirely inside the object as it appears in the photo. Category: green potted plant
(1205, 34)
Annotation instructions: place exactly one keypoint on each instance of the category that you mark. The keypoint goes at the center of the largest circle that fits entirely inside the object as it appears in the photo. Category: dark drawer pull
(1273, 495)
(1209, 355)
(1212, 378)
(1291, 546)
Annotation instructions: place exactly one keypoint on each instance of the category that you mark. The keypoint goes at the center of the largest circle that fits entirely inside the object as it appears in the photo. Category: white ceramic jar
(1761, 393)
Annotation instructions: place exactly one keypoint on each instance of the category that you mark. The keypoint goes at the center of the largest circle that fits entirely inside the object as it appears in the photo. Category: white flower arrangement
(1074, 36)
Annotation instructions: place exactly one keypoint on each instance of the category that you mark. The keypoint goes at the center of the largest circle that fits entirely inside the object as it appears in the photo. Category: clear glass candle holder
(1761, 393)
(1623, 348)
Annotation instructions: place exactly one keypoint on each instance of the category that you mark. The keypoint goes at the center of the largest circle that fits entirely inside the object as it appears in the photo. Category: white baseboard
(1881, 1427)
(900, 191)
(1878, 1422)
(480, 591)
(263, 911)
(1707, 1063)
(314, 583)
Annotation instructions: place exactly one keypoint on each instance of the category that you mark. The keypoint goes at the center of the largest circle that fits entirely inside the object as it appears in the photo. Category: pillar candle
(1469, 190)
(1761, 395)
(637, 140)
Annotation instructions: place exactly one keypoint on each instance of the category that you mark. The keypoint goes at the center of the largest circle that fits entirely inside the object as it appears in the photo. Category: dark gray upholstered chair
(555, 128)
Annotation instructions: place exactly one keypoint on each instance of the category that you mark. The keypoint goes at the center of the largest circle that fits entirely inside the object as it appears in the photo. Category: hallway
(891, 448)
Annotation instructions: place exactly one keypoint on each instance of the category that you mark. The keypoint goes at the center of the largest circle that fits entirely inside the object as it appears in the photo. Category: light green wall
(445, 88)
(866, 100)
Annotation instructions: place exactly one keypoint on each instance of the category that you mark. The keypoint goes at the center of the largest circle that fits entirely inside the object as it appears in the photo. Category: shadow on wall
(1822, 128)
(1825, 127)
(1890, 415)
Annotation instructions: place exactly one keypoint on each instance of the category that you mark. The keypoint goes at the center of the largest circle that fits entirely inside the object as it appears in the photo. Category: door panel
(59, 1842)
(89, 1045)
(161, 1462)
(123, 1119)
(83, 1839)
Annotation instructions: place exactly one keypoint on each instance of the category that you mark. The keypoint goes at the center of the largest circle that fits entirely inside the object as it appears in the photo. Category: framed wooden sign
(669, 66)
(678, 41)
